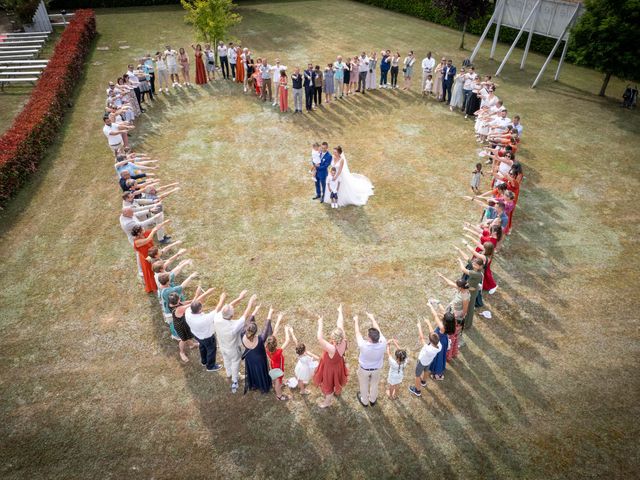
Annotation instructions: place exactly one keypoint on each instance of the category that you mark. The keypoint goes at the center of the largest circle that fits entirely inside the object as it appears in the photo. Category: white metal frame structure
(551, 18)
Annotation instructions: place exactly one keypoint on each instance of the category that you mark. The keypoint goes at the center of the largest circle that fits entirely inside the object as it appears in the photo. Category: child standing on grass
(315, 159)
(428, 86)
(428, 352)
(306, 365)
(334, 186)
(276, 359)
(475, 178)
(397, 364)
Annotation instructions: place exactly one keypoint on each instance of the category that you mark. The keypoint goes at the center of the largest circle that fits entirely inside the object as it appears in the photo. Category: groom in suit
(322, 172)
(448, 74)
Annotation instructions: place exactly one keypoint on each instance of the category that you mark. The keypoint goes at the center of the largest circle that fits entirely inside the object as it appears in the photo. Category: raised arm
(340, 321)
(203, 295)
(174, 257)
(278, 321)
(223, 297)
(436, 318)
(163, 250)
(189, 279)
(293, 335)
(426, 320)
(168, 192)
(326, 346)
(356, 326)
(451, 283)
(286, 338)
(181, 266)
(420, 334)
(374, 323)
(250, 304)
(235, 302)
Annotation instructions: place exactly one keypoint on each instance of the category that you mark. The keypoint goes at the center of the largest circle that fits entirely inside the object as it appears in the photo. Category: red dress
(276, 360)
(147, 272)
(331, 374)
(486, 237)
(201, 73)
(487, 280)
(515, 188)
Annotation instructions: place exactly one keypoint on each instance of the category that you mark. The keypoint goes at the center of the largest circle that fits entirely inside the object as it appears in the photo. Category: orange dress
(147, 272)
(331, 374)
(240, 68)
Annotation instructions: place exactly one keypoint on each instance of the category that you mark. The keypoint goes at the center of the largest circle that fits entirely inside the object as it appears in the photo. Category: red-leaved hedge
(35, 128)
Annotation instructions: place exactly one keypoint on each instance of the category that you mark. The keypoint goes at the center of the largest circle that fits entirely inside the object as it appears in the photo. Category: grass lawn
(92, 384)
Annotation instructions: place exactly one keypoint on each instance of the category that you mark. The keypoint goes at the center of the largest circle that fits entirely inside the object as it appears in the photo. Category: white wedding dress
(355, 189)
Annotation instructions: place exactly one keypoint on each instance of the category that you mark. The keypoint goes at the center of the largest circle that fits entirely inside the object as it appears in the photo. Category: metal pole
(513, 45)
(497, 32)
(526, 48)
(484, 34)
(555, 47)
(564, 52)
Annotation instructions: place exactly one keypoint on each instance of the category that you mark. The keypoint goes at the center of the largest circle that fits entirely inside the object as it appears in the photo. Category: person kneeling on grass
(334, 186)
(425, 357)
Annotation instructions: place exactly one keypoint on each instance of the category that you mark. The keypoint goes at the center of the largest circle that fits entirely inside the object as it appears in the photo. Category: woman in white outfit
(457, 97)
(355, 189)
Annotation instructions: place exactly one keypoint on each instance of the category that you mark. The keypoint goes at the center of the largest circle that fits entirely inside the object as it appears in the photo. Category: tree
(212, 19)
(464, 11)
(605, 38)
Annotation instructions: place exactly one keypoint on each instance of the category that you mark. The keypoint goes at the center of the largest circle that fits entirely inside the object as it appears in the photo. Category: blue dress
(256, 367)
(439, 363)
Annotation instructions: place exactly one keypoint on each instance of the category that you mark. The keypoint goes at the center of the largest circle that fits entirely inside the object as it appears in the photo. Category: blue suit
(448, 75)
(322, 171)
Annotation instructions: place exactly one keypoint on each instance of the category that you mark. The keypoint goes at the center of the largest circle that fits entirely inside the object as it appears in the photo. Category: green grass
(92, 386)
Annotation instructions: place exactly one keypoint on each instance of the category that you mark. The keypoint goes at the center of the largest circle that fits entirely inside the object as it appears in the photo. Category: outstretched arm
(278, 321)
(374, 323)
(286, 338)
(326, 346)
(340, 321)
(223, 297)
(356, 326)
(189, 279)
(420, 334)
(436, 318)
(426, 320)
(447, 281)
(235, 302)
(250, 304)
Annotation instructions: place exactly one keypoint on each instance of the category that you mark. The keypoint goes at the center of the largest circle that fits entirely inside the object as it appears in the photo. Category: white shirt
(232, 55)
(275, 72)
(428, 353)
(364, 64)
(127, 224)
(228, 333)
(171, 57)
(113, 139)
(501, 124)
(333, 184)
(428, 63)
(222, 51)
(372, 354)
(201, 324)
(315, 156)
(469, 79)
(133, 79)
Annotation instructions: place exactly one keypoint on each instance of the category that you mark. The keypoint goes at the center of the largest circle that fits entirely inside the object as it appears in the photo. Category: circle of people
(239, 339)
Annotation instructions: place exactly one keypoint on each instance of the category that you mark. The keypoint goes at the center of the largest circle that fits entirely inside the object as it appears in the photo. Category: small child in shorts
(475, 178)
(334, 186)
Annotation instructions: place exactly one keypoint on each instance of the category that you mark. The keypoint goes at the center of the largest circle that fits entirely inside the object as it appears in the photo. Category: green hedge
(73, 4)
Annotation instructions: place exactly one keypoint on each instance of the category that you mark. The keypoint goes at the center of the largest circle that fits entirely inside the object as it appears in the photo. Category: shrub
(23, 146)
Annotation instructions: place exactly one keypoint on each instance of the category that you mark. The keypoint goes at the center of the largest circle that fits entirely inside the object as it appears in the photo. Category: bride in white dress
(355, 189)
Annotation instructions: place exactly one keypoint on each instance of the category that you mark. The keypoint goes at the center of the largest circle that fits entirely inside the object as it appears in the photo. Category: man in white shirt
(517, 126)
(363, 69)
(201, 325)
(467, 87)
(427, 68)
(228, 332)
(172, 65)
(265, 74)
(370, 360)
(233, 57)
(275, 75)
(224, 60)
(113, 133)
(425, 357)
(500, 124)
(128, 220)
